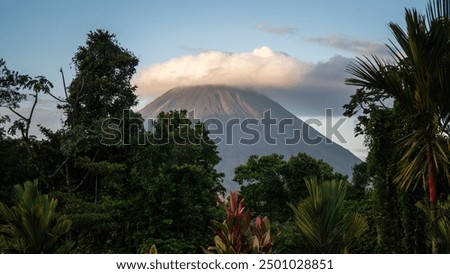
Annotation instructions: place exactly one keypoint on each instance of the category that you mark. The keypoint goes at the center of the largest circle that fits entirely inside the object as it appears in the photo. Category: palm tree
(323, 220)
(419, 81)
(31, 224)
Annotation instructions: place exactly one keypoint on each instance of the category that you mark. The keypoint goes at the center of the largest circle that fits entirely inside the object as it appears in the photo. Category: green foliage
(32, 225)
(3, 245)
(121, 193)
(367, 242)
(265, 192)
(323, 221)
(12, 85)
(383, 131)
(153, 250)
(102, 86)
(442, 222)
(102, 227)
(174, 245)
(176, 172)
(268, 183)
(101, 93)
(418, 80)
(361, 180)
(15, 167)
(3, 120)
(398, 223)
(237, 234)
(289, 240)
(97, 190)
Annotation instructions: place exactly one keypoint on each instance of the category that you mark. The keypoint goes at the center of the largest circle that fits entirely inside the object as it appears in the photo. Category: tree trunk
(432, 196)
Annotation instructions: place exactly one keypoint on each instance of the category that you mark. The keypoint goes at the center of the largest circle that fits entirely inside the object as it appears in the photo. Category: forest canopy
(83, 189)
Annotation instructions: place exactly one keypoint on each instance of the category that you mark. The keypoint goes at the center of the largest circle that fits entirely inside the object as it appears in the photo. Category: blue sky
(41, 36)
(314, 38)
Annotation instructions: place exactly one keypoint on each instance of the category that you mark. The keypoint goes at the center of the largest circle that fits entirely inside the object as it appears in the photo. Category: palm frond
(322, 219)
(419, 81)
(31, 224)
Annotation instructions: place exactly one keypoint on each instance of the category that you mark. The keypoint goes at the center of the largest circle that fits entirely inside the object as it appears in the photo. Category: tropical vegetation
(105, 183)
(417, 79)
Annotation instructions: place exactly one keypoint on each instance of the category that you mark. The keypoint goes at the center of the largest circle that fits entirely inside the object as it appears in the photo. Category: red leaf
(258, 222)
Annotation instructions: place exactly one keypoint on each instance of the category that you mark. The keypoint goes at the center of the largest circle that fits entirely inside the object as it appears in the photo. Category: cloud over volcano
(260, 68)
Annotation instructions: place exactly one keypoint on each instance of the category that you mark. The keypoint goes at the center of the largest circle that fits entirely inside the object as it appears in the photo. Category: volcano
(245, 122)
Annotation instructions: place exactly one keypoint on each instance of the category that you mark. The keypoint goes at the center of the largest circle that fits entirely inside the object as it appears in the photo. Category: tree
(361, 180)
(11, 95)
(179, 182)
(18, 157)
(264, 192)
(102, 86)
(97, 188)
(325, 225)
(269, 183)
(100, 96)
(399, 224)
(32, 225)
(419, 81)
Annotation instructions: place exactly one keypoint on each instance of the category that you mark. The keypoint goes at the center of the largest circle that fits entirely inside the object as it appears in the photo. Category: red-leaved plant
(237, 233)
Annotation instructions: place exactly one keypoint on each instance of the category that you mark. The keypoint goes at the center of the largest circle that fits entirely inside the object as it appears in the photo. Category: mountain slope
(251, 124)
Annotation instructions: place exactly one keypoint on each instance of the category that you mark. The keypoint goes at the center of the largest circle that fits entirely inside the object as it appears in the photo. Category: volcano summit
(244, 122)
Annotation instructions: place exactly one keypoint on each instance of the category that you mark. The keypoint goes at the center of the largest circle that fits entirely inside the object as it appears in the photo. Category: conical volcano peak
(249, 123)
(211, 101)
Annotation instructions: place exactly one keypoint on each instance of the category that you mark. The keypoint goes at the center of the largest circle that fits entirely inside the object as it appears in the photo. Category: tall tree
(96, 174)
(419, 81)
(176, 171)
(100, 96)
(102, 86)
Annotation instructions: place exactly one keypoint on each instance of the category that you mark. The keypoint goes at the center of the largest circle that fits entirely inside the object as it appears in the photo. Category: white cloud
(350, 44)
(262, 67)
(328, 75)
(276, 30)
(306, 89)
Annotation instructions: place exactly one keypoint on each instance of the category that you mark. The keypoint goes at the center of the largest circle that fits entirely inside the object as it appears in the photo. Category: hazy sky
(294, 51)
